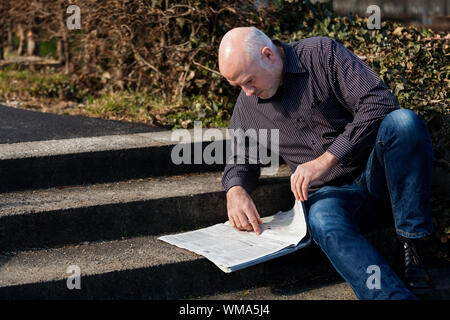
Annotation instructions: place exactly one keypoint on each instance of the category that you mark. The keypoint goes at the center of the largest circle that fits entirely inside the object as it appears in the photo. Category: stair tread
(105, 257)
(57, 198)
(88, 144)
(45, 265)
(324, 286)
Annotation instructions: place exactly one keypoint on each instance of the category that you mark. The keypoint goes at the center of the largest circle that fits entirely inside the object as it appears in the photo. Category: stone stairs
(100, 204)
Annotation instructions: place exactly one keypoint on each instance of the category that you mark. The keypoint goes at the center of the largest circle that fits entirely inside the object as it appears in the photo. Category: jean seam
(405, 234)
(337, 270)
(388, 186)
(413, 234)
(354, 288)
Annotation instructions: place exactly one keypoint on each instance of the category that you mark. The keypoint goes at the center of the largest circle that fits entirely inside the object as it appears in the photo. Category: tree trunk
(63, 40)
(2, 40)
(60, 50)
(10, 46)
(32, 44)
(66, 52)
(21, 35)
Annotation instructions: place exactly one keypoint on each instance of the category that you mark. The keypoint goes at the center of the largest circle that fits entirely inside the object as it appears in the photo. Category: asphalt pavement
(20, 125)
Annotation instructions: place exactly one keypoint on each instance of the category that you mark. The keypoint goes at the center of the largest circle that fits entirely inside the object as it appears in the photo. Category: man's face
(258, 78)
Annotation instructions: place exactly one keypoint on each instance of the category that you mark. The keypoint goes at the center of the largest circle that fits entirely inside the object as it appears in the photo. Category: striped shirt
(330, 100)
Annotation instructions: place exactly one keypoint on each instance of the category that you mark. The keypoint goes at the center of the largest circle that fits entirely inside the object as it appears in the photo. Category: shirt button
(313, 142)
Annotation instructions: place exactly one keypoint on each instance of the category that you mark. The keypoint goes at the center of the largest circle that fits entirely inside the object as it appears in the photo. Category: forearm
(327, 160)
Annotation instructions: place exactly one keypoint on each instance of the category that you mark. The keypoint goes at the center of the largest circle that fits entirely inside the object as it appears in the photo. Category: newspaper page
(228, 247)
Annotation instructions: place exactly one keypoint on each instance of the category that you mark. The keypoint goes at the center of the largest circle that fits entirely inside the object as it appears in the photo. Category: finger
(304, 187)
(254, 219)
(245, 225)
(298, 188)
(236, 221)
(255, 226)
(230, 218)
(293, 186)
(260, 220)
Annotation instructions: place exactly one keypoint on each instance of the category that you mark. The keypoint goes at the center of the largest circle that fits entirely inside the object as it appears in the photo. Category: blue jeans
(397, 177)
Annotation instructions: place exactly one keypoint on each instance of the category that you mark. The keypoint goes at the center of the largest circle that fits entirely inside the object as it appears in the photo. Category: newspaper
(232, 250)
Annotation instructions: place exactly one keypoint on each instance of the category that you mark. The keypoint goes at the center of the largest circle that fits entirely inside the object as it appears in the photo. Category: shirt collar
(291, 62)
(291, 65)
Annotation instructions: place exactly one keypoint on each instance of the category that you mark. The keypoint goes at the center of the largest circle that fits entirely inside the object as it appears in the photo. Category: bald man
(353, 152)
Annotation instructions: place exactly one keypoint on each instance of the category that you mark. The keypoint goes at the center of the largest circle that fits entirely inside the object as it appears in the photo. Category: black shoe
(413, 273)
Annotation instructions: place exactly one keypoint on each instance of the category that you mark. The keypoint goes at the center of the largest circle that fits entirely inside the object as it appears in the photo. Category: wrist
(235, 189)
(328, 160)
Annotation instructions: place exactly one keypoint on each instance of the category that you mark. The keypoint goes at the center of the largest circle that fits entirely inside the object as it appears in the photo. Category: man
(353, 152)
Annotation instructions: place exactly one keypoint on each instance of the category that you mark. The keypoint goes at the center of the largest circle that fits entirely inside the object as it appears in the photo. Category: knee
(406, 124)
(327, 230)
(316, 223)
(402, 120)
(320, 223)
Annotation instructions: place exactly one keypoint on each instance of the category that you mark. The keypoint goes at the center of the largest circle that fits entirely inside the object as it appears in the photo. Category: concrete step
(138, 268)
(331, 287)
(86, 160)
(56, 216)
(327, 287)
(147, 268)
(321, 282)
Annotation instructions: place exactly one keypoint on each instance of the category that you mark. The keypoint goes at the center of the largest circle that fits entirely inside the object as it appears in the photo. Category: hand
(242, 212)
(309, 172)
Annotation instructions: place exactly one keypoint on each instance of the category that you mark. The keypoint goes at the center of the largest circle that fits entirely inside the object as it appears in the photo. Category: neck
(279, 46)
(282, 58)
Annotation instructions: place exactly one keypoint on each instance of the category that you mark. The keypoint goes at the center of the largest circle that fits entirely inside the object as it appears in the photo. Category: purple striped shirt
(330, 100)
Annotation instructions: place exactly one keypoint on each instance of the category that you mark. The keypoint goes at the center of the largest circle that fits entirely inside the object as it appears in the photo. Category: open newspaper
(232, 250)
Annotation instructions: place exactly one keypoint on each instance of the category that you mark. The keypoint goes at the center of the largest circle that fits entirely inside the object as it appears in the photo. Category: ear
(268, 54)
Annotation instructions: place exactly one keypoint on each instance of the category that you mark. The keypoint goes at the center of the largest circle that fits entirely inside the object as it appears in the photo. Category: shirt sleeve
(362, 92)
(245, 175)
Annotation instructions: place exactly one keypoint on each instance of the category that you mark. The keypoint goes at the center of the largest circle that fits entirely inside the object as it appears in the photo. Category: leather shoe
(413, 273)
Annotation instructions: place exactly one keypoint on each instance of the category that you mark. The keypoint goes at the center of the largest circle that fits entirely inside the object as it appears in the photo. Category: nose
(249, 90)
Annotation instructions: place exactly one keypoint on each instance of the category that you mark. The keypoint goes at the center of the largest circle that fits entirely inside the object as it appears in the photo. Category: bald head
(245, 54)
(242, 46)
(232, 43)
